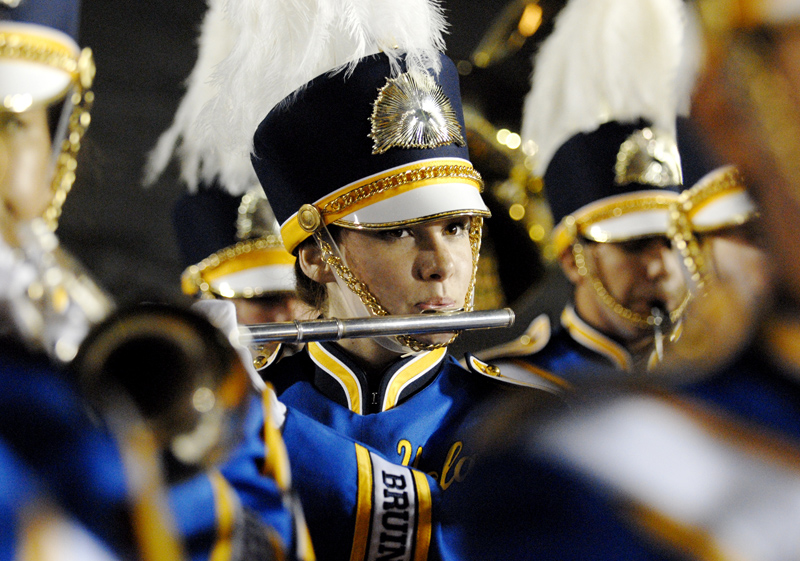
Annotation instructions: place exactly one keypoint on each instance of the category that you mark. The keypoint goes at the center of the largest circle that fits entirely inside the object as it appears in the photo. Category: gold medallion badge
(412, 111)
(650, 158)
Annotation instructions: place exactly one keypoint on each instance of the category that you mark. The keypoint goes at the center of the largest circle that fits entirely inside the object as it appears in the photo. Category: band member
(360, 149)
(67, 487)
(715, 227)
(84, 459)
(240, 273)
(614, 150)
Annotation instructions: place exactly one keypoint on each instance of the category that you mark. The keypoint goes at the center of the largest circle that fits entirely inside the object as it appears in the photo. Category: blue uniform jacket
(67, 481)
(572, 352)
(708, 470)
(371, 465)
(56, 463)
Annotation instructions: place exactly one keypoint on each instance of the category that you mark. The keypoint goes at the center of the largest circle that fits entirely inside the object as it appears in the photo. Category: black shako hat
(367, 150)
(230, 246)
(610, 192)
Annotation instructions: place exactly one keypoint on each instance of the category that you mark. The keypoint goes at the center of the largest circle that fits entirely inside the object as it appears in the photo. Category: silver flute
(413, 324)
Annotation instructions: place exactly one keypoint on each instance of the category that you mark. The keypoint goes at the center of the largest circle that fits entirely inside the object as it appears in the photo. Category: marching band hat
(617, 183)
(718, 201)
(715, 197)
(230, 246)
(368, 149)
(606, 128)
(39, 55)
(592, 194)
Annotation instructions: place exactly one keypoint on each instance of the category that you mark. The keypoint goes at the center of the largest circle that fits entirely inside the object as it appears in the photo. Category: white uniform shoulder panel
(536, 336)
(494, 371)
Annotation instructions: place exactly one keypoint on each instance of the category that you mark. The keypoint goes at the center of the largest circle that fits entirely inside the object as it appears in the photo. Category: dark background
(144, 50)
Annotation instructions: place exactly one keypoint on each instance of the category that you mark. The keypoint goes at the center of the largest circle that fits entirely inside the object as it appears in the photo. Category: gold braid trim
(621, 208)
(193, 277)
(728, 180)
(359, 194)
(681, 233)
(36, 49)
(610, 302)
(79, 120)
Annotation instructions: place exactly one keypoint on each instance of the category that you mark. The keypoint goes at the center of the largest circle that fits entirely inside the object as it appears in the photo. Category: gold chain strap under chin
(610, 302)
(79, 120)
(375, 307)
(681, 233)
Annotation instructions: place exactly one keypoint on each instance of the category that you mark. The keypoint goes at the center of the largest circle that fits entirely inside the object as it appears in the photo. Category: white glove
(222, 314)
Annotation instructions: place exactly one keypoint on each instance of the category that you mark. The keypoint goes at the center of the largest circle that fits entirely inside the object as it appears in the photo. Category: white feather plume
(607, 60)
(282, 44)
(200, 157)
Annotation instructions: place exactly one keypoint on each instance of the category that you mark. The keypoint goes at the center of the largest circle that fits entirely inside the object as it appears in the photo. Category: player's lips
(437, 305)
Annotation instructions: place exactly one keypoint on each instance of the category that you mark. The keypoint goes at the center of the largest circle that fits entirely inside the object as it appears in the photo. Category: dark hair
(310, 291)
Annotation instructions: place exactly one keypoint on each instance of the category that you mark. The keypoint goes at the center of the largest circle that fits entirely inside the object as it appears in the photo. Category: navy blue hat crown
(62, 15)
(325, 137)
(204, 223)
(582, 170)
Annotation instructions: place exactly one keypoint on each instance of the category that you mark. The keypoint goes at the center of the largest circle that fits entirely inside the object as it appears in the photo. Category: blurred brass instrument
(173, 369)
(518, 21)
(413, 324)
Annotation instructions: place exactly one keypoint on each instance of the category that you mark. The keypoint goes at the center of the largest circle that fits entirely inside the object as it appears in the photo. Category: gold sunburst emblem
(649, 157)
(412, 111)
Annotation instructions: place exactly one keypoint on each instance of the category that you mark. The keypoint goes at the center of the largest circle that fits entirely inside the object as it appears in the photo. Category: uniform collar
(339, 379)
(590, 338)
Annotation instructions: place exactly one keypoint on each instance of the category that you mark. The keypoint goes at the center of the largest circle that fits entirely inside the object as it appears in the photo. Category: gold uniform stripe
(364, 505)
(340, 372)
(224, 503)
(595, 341)
(380, 187)
(694, 541)
(152, 525)
(276, 459)
(541, 373)
(416, 367)
(424, 516)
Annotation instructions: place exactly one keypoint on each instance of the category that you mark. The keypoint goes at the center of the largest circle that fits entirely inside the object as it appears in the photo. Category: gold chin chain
(371, 302)
(610, 302)
(81, 100)
(681, 233)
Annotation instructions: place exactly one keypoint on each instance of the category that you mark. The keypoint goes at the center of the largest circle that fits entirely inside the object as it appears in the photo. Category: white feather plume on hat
(609, 60)
(282, 44)
(199, 155)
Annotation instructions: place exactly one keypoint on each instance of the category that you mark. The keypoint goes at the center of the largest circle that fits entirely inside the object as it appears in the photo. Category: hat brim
(719, 200)
(257, 281)
(43, 70)
(423, 203)
(424, 190)
(618, 219)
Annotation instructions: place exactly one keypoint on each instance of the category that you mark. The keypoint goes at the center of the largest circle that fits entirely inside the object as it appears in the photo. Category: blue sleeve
(358, 504)
(238, 511)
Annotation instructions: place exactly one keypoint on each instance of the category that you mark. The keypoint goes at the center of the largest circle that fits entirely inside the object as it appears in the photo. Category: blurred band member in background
(610, 134)
(695, 465)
